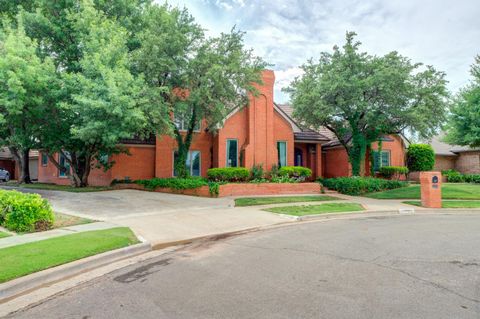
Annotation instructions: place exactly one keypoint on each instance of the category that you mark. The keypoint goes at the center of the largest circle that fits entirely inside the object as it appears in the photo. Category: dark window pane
(282, 153)
(232, 153)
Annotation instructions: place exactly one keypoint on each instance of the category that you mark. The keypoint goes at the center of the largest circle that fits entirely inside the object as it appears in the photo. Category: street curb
(29, 283)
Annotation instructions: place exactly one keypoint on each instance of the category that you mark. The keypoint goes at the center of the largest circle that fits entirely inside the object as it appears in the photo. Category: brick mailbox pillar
(431, 188)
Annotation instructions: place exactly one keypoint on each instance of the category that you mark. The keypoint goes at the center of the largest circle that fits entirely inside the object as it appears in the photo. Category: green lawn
(65, 188)
(28, 258)
(251, 201)
(303, 210)
(449, 191)
(4, 234)
(451, 204)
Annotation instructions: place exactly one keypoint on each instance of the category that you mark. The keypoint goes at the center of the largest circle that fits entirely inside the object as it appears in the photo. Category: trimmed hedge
(173, 182)
(22, 212)
(454, 176)
(361, 185)
(420, 157)
(393, 171)
(228, 174)
(294, 171)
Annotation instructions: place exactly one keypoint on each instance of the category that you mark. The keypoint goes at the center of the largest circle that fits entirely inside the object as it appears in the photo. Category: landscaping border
(237, 189)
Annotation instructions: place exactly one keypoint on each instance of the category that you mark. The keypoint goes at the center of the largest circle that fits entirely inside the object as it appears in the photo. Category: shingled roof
(300, 132)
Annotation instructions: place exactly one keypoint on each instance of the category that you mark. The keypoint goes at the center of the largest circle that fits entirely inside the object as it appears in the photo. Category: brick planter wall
(238, 189)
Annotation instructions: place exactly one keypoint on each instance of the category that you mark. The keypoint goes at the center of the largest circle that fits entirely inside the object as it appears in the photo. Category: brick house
(263, 133)
(464, 159)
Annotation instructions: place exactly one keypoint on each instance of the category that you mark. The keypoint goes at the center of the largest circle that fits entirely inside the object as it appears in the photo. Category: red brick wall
(283, 132)
(166, 145)
(444, 162)
(138, 165)
(336, 159)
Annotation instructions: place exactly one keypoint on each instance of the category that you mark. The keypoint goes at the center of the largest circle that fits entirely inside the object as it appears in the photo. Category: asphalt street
(405, 266)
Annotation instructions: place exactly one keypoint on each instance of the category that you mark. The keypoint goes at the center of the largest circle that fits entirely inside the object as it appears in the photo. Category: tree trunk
(184, 146)
(80, 167)
(357, 153)
(22, 160)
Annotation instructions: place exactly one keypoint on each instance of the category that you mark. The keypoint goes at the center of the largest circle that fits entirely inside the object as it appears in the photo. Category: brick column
(431, 189)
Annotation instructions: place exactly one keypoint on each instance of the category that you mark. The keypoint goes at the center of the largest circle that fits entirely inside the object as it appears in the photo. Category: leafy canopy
(464, 121)
(360, 97)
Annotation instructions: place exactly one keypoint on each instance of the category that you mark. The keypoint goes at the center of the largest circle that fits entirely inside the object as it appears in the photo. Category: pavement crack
(372, 262)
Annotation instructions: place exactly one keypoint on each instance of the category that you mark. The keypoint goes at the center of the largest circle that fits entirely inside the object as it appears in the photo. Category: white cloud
(443, 33)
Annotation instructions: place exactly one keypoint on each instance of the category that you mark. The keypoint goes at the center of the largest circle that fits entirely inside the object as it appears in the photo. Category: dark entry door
(298, 157)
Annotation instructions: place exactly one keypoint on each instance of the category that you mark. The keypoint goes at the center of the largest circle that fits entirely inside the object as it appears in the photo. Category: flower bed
(236, 189)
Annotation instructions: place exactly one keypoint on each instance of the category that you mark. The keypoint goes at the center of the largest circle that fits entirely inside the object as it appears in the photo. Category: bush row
(257, 174)
(393, 171)
(360, 185)
(173, 182)
(21, 212)
(454, 176)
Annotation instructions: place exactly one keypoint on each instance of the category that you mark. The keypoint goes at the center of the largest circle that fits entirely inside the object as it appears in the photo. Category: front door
(298, 157)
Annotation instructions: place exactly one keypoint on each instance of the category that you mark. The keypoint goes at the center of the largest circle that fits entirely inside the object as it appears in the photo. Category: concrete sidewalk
(28, 238)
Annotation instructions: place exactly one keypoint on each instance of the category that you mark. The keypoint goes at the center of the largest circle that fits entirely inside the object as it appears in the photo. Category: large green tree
(196, 77)
(26, 85)
(464, 121)
(103, 101)
(361, 98)
(100, 101)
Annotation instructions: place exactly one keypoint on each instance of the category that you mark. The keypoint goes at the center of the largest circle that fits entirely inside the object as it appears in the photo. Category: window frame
(44, 156)
(286, 153)
(389, 155)
(183, 125)
(227, 148)
(67, 166)
(191, 163)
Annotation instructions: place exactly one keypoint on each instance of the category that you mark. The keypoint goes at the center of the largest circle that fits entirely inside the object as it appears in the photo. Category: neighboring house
(464, 159)
(263, 133)
(7, 162)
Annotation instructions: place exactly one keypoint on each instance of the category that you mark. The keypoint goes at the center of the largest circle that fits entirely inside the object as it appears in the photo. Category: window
(282, 153)
(380, 159)
(192, 163)
(63, 163)
(232, 153)
(182, 121)
(44, 159)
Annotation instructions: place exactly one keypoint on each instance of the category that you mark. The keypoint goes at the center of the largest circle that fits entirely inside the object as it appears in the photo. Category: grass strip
(451, 204)
(303, 210)
(21, 260)
(449, 191)
(252, 201)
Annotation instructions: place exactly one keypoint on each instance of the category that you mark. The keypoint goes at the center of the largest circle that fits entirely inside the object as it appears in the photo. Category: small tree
(361, 98)
(26, 83)
(420, 157)
(196, 77)
(464, 121)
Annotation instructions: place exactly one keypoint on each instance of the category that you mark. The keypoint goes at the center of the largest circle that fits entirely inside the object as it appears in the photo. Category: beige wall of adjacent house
(443, 162)
(468, 162)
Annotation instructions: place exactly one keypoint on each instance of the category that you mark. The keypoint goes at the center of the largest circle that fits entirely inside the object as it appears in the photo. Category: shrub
(393, 171)
(228, 174)
(472, 178)
(361, 185)
(25, 212)
(420, 157)
(295, 172)
(257, 172)
(173, 182)
(453, 176)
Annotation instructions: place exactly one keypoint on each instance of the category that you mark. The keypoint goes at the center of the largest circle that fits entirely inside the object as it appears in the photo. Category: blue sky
(442, 33)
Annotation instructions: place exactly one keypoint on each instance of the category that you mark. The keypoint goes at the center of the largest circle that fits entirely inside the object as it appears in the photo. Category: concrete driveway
(161, 218)
(404, 266)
